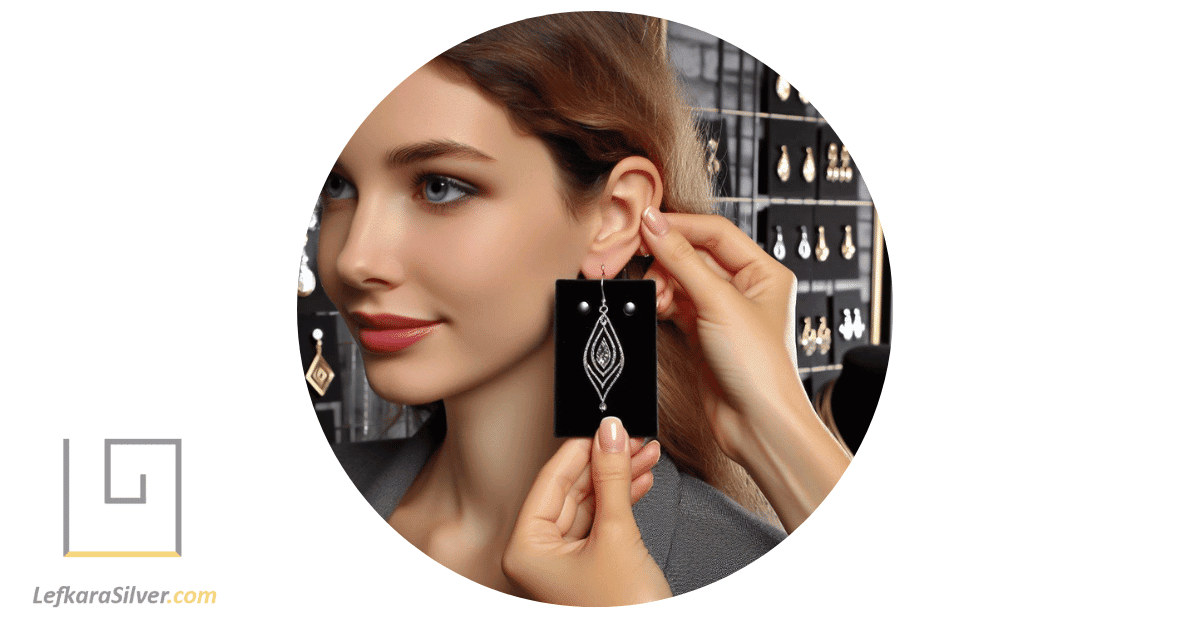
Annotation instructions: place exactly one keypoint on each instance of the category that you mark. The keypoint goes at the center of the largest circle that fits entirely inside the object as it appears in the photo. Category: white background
(1031, 459)
(100, 527)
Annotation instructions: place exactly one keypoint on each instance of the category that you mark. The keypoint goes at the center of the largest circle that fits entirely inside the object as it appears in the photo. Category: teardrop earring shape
(847, 173)
(804, 249)
(784, 167)
(831, 169)
(783, 89)
(822, 248)
(810, 165)
(779, 251)
(848, 244)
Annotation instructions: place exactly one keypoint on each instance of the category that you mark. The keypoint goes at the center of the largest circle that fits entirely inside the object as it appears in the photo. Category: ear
(633, 185)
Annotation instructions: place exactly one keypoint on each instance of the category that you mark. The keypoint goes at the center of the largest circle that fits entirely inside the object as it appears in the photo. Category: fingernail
(612, 435)
(655, 221)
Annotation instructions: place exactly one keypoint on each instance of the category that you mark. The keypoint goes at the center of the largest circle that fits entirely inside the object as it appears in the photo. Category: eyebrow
(423, 151)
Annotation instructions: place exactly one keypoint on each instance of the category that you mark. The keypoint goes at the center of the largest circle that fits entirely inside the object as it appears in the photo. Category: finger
(644, 460)
(641, 485)
(729, 245)
(554, 481)
(679, 257)
(612, 475)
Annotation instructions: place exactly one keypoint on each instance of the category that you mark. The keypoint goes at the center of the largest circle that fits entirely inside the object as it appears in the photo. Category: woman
(548, 149)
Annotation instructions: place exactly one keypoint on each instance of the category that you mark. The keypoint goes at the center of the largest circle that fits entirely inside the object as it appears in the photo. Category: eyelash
(421, 179)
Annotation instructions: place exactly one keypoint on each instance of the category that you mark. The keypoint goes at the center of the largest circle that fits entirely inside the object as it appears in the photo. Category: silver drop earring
(779, 250)
(603, 357)
(804, 249)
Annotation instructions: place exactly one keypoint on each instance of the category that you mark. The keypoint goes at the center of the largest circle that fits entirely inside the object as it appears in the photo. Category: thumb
(611, 475)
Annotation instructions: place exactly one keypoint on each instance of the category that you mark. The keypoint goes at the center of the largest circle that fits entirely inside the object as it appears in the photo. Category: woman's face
(443, 231)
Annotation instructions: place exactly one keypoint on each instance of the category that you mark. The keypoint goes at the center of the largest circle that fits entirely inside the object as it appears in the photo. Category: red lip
(388, 333)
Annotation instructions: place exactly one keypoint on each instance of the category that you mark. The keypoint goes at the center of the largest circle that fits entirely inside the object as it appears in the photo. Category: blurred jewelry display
(783, 89)
(779, 250)
(603, 357)
(714, 165)
(848, 243)
(804, 249)
(845, 173)
(831, 169)
(808, 337)
(810, 165)
(852, 326)
(319, 374)
(784, 167)
(824, 337)
(822, 248)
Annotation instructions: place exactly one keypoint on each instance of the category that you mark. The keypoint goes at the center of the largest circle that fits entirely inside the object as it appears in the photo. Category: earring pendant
(783, 89)
(810, 165)
(808, 337)
(824, 337)
(779, 250)
(822, 248)
(319, 374)
(784, 167)
(603, 356)
(848, 243)
(831, 165)
(804, 249)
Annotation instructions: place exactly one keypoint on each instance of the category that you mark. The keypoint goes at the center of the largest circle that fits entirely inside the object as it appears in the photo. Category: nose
(370, 258)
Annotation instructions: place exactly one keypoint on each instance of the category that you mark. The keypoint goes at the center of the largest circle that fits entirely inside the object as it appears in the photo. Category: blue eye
(442, 189)
(338, 188)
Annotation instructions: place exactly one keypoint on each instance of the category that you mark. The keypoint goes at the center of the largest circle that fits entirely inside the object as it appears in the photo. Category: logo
(136, 511)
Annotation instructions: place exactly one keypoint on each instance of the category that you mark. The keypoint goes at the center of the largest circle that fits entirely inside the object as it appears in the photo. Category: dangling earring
(831, 167)
(603, 357)
(784, 167)
(848, 244)
(810, 165)
(824, 336)
(858, 325)
(847, 173)
(822, 248)
(780, 251)
(808, 337)
(847, 326)
(804, 249)
(319, 374)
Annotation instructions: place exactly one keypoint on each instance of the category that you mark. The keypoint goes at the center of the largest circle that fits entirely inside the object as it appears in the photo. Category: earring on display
(824, 337)
(804, 249)
(810, 165)
(783, 89)
(846, 329)
(848, 244)
(822, 248)
(808, 337)
(847, 172)
(784, 167)
(831, 170)
(603, 357)
(780, 251)
(858, 325)
(319, 374)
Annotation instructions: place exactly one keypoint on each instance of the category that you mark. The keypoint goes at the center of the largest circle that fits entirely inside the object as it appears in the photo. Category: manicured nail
(655, 221)
(612, 435)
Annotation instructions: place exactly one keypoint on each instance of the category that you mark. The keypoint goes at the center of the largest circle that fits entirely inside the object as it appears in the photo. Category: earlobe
(633, 185)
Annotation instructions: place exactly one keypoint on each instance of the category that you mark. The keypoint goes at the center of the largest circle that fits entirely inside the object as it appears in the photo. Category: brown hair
(597, 87)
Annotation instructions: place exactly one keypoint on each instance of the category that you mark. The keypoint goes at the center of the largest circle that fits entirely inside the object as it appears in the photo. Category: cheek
(331, 237)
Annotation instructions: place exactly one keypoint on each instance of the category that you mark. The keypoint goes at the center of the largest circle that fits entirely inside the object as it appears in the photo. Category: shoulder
(698, 534)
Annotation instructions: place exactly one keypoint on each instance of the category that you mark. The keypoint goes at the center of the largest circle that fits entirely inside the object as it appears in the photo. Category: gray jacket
(696, 533)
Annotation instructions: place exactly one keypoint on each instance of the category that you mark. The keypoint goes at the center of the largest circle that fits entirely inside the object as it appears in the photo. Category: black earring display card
(605, 364)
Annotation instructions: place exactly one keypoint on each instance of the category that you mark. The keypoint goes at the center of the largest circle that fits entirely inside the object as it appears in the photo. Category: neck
(498, 437)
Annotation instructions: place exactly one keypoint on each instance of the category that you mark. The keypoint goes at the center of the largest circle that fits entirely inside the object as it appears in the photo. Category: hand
(563, 551)
(737, 304)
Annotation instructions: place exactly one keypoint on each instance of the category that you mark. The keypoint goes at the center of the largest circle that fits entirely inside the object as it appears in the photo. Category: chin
(407, 387)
